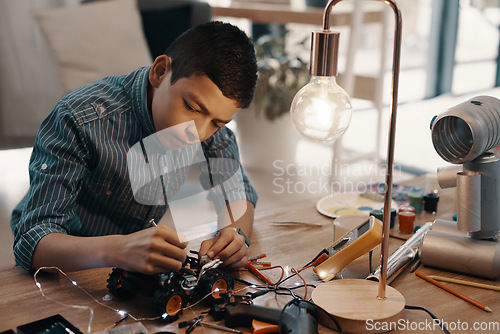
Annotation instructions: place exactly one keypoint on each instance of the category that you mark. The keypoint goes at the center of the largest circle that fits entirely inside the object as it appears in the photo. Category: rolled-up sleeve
(57, 167)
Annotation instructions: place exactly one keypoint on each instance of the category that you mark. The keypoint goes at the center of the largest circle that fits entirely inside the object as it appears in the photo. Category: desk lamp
(321, 112)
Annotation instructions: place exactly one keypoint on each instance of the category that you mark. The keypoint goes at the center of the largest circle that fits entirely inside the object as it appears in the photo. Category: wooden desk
(284, 13)
(21, 302)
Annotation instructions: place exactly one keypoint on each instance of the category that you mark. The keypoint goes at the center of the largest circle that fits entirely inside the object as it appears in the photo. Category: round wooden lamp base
(354, 304)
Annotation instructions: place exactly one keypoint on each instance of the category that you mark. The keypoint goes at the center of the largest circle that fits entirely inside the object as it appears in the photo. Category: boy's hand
(227, 245)
(152, 251)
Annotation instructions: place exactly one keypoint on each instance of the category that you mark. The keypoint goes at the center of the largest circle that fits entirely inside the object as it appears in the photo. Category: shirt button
(44, 166)
(102, 109)
(108, 192)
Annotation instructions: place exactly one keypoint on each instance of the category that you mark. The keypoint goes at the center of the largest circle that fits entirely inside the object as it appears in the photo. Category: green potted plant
(281, 73)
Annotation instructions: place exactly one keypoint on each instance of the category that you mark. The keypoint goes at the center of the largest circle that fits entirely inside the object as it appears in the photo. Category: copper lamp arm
(392, 133)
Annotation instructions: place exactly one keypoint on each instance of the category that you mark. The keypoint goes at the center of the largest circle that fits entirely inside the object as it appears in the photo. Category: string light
(39, 285)
(209, 294)
(287, 271)
(122, 313)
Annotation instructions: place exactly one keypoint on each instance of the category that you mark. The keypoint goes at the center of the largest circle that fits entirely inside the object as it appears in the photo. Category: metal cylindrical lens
(465, 131)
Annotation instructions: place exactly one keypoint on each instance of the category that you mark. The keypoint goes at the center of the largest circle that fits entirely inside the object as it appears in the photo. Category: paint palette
(350, 203)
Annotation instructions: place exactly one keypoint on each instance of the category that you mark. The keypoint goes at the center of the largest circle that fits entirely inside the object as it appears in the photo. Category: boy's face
(194, 100)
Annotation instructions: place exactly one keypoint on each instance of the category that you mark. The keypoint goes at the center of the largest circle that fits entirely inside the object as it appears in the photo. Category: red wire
(274, 267)
(258, 272)
(319, 260)
(303, 280)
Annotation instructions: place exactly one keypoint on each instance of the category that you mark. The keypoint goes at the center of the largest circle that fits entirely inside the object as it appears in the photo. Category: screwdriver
(219, 327)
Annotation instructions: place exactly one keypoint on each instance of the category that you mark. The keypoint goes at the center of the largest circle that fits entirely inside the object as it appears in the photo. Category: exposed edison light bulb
(321, 111)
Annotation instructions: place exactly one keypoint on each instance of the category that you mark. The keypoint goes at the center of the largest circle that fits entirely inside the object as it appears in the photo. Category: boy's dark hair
(222, 52)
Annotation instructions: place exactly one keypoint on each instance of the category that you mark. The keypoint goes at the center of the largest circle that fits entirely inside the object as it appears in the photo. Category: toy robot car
(171, 291)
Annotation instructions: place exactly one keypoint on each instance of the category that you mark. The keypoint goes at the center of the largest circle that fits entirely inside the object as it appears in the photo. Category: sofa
(34, 52)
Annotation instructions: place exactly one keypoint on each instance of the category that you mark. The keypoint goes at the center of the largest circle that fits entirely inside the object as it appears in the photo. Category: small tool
(120, 321)
(258, 257)
(207, 266)
(255, 261)
(254, 270)
(297, 224)
(191, 323)
(297, 318)
(253, 266)
(198, 321)
(219, 327)
(261, 327)
(262, 264)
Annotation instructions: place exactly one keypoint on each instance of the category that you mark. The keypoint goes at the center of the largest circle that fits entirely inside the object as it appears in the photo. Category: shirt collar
(137, 87)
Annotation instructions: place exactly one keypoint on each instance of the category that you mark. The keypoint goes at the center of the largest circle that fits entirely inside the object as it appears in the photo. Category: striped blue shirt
(79, 180)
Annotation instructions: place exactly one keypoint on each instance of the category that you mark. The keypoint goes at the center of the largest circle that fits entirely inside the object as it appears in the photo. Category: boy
(80, 210)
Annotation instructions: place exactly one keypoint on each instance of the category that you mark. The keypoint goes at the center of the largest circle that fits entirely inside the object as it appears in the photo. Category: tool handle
(241, 315)
(260, 327)
(296, 319)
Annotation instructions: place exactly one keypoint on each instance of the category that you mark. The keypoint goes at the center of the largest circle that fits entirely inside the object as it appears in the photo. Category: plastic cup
(407, 208)
(379, 214)
(430, 202)
(394, 213)
(406, 220)
(416, 199)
